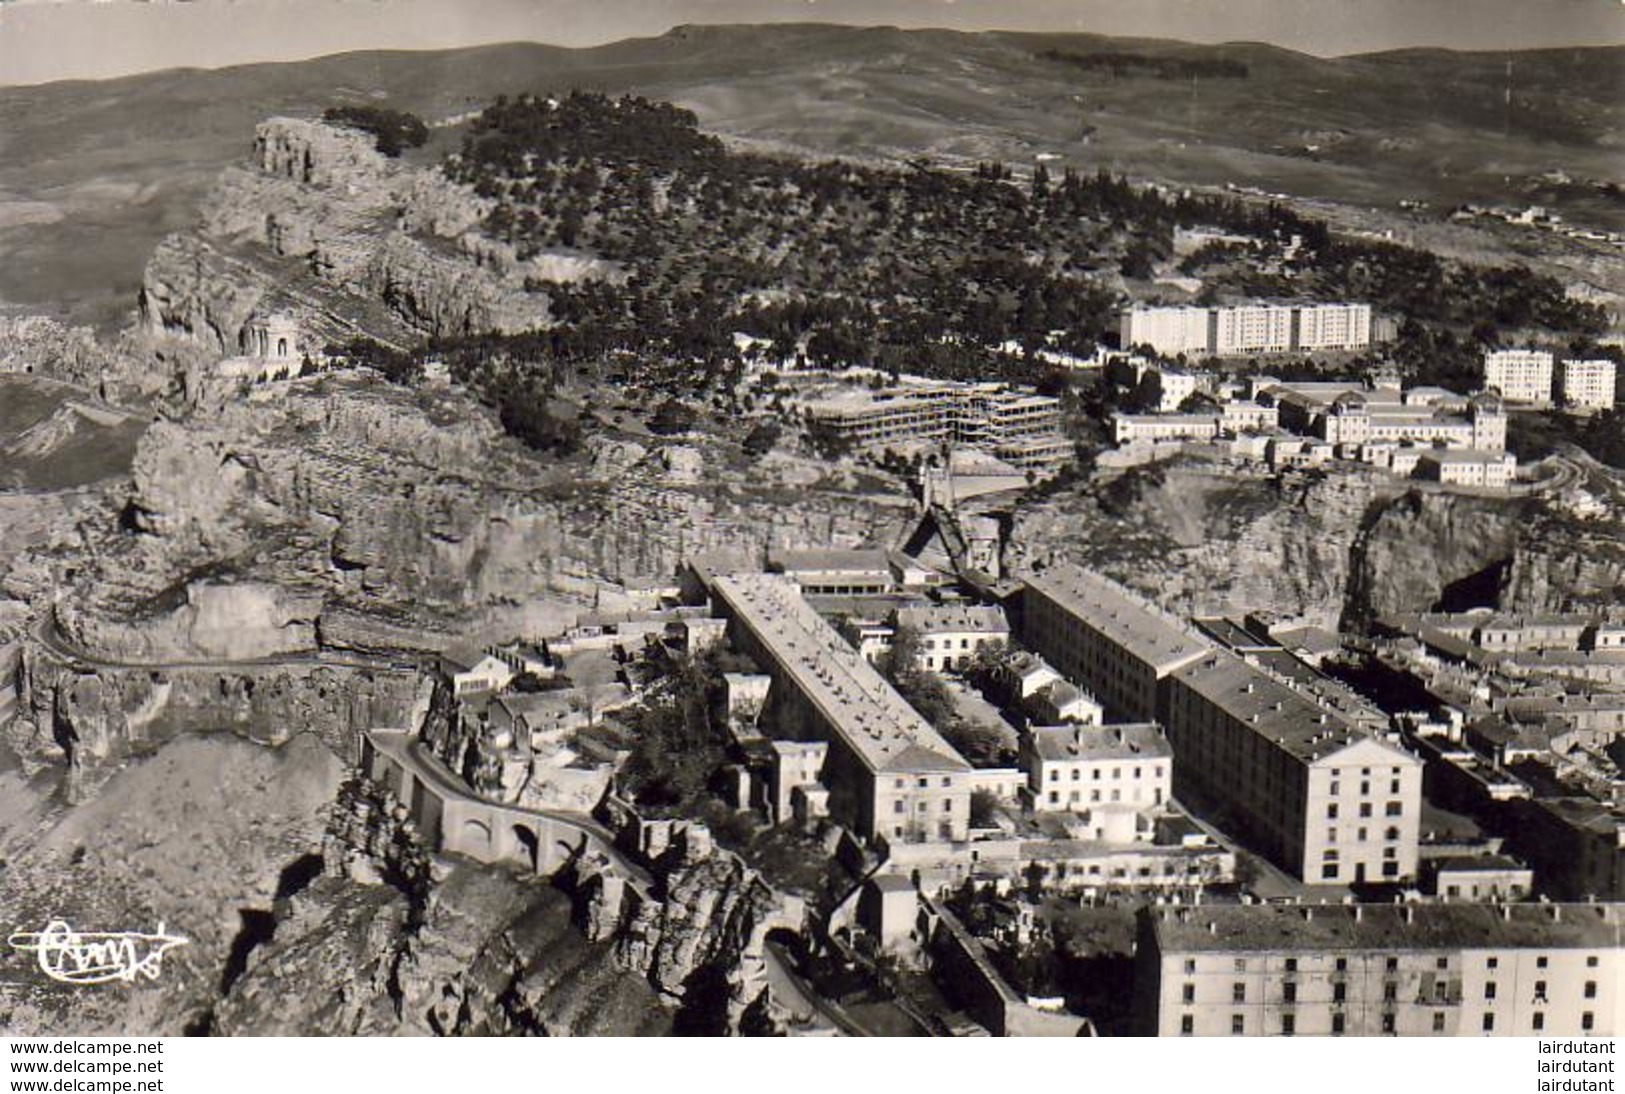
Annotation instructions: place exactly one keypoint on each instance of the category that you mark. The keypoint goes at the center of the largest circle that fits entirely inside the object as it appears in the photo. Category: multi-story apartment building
(1520, 375)
(1332, 327)
(1074, 768)
(1318, 796)
(1438, 970)
(1252, 328)
(1017, 427)
(1168, 331)
(1247, 328)
(1587, 385)
(889, 774)
(1100, 635)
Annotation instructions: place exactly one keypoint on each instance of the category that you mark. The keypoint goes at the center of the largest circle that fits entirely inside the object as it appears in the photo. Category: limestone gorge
(295, 550)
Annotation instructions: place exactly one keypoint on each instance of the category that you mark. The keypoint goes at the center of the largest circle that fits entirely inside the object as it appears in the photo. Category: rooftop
(827, 560)
(1386, 928)
(1296, 723)
(938, 618)
(1127, 619)
(1133, 741)
(878, 724)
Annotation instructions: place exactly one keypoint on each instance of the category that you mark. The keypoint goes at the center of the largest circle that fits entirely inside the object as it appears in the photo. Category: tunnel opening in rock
(298, 874)
(1481, 589)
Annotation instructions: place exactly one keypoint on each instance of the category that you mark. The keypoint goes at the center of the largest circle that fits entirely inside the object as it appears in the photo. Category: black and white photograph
(1066, 519)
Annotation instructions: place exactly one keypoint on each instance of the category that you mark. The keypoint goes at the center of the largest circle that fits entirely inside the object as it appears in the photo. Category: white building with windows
(1520, 375)
(1075, 768)
(1587, 385)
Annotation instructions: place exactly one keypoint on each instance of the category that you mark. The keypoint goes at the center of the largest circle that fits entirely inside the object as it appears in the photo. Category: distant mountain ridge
(93, 174)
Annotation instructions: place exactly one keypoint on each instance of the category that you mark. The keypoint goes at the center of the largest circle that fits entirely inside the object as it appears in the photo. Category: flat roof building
(1520, 375)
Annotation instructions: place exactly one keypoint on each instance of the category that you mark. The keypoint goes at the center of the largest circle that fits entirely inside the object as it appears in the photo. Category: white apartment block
(1360, 970)
(1252, 328)
(1587, 385)
(1168, 331)
(1247, 328)
(1333, 327)
(1521, 375)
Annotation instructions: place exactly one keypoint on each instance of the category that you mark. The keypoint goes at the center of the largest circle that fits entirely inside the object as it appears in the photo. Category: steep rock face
(192, 290)
(387, 498)
(381, 248)
(1202, 539)
(709, 922)
(237, 622)
(315, 154)
(40, 346)
(99, 715)
(1412, 551)
(1563, 565)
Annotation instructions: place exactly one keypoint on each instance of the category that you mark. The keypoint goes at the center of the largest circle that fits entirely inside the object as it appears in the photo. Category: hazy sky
(56, 39)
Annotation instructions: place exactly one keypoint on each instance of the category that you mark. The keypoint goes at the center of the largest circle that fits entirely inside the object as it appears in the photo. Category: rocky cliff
(91, 716)
(317, 222)
(1205, 538)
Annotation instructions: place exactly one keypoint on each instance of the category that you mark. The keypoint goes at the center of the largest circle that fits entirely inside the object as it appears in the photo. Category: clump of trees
(927, 693)
(393, 131)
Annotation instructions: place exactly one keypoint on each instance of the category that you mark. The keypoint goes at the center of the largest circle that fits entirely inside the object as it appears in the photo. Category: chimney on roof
(1557, 913)
(1506, 912)
(1212, 926)
(1359, 913)
(1410, 913)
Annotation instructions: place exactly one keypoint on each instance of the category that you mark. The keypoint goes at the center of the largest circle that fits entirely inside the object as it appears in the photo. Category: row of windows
(1390, 963)
(1117, 773)
(1390, 990)
(1289, 1023)
(1392, 809)
(900, 807)
(1095, 796)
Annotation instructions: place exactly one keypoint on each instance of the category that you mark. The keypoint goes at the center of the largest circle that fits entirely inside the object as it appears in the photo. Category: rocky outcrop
(707, 927)
(93, 716)
(1202, 539)
(217, 623)
(314, 154)
(1414, 551)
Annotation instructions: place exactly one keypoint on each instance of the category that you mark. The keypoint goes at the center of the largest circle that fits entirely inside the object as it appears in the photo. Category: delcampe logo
(74, 957)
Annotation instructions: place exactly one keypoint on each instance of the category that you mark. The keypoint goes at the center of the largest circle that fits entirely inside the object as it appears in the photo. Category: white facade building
(1524, 375)
(1587, 385)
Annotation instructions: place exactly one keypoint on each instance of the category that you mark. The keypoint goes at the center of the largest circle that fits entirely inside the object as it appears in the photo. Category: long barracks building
(890, 775)
(1321, 795)
(1437, 970)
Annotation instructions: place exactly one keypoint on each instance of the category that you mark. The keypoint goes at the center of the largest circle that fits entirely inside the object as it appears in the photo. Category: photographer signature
(73, 957)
